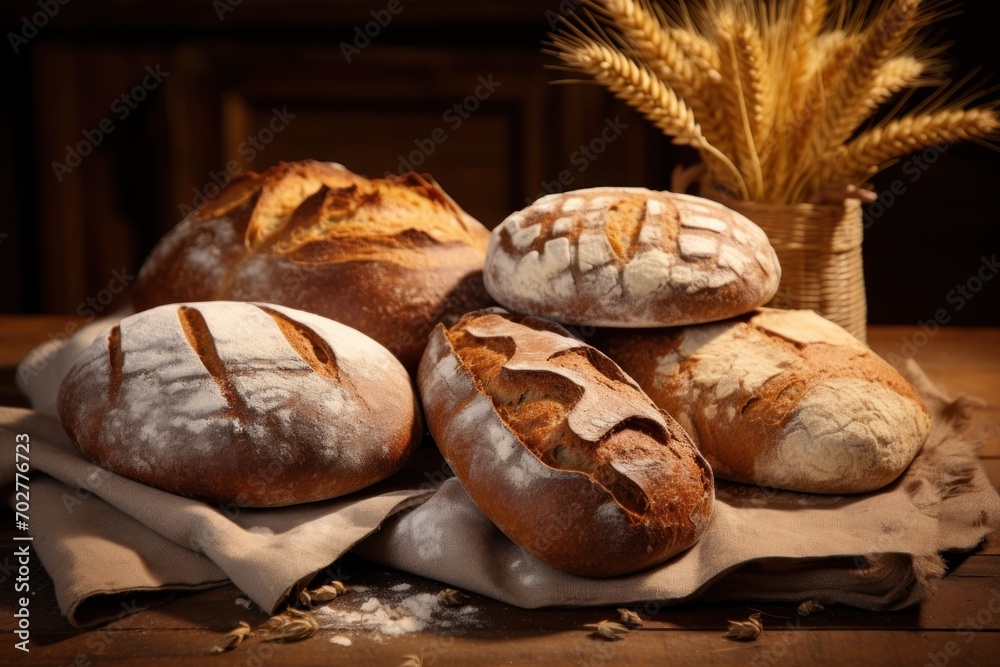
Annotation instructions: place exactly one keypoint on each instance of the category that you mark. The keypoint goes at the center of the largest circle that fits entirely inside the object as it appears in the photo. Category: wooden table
(959, 624)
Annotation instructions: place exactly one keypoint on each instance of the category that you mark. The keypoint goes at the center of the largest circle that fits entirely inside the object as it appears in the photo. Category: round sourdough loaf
(390, 257)
(559, 448)
(781, 399)
(254, 404)
(630, 257)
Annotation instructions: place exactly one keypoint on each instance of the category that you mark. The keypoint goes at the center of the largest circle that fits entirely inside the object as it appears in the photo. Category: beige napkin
(876, 551)
(111, 544)
(100, 534)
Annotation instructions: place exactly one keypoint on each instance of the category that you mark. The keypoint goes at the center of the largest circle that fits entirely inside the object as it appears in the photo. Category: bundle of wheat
(772, 94)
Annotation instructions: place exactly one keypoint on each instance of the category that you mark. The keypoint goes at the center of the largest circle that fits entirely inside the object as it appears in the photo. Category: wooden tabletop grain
(959, 624)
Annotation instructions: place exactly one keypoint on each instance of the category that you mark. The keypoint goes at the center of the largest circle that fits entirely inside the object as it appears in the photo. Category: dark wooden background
(63, 241)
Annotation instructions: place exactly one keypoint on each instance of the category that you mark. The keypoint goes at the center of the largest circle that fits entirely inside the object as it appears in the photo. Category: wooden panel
(470, 119)
(377, 141)
(962, 361)
(92, 203)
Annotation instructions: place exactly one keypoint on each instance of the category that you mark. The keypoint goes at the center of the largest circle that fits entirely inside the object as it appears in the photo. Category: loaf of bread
(253, 404)
(390, 258)
(630, 257)
(781, 399)
(559, 448)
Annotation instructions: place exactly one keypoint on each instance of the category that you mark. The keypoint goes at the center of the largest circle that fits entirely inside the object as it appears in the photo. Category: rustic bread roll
(253, 404)
(630, 257)
(390, 257)
(782, 399)
(559, 448)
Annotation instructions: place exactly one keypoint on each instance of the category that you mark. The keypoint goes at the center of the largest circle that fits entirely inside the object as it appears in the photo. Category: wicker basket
(819, 248)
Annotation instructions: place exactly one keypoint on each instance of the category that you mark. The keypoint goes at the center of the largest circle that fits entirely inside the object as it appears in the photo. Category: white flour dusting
(578, 278)
(845, 428)
(392, 614)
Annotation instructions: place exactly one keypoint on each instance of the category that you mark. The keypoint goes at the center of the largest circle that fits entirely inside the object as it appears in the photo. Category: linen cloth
(105, 539)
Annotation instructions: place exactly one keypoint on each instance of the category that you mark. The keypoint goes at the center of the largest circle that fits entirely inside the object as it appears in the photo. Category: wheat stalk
(770, 93)
(754, 79)
(896, 75)
(825, 45)
(849, 104)
(863, 157)
(653, 44)
(807, 23)
(638, 24)
(698, 49)
(736, 100)
(638, 86)
(801, 147)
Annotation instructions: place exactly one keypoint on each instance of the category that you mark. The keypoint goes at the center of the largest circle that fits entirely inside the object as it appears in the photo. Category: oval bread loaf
(390, 258)
(781, 399)
(253, 404)
(559, 448)
(630, 257)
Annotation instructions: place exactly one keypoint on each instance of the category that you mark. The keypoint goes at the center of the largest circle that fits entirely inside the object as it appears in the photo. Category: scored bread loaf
(253, 404)
(389, 257)
(781, 399)
(559, 448)
(630, 257)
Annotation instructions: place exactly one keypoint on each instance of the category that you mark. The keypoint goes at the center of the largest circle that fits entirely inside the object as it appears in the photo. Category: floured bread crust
(630, 257)
(561, 449)
(389, 257)
(781, 399)
(253, 404)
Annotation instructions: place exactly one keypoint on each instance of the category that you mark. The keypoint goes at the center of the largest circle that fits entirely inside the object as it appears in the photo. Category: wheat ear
(830, 45)
(848, 105)
(698, 49)
(896, 75)
(734, 100)
(653, 45)
(807, 23)
(872, 150)
(638, 86)
(753, 77)
(638, 24)
(800, 143)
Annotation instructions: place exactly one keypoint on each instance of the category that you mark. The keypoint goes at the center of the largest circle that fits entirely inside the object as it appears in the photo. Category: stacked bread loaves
(390, 257)
(253, 404)
(782, 399)
(561, 449)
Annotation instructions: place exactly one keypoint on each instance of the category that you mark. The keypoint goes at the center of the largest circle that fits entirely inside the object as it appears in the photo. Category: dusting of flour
(393, 611)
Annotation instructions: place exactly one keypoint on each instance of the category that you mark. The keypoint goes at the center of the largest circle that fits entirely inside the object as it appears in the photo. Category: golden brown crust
(389, 257)
(560, 448)
(781, 399)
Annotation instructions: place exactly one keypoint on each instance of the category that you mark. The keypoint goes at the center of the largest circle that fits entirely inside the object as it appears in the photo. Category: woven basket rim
(849, 205)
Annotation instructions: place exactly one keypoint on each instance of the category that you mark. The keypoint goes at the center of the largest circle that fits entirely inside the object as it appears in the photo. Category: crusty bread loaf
(559, 448)
(254, 404)
(390, 257)
(781, 399)
(630, 257)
